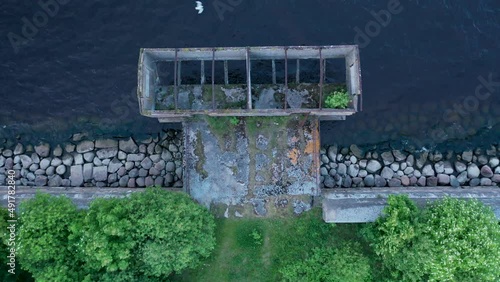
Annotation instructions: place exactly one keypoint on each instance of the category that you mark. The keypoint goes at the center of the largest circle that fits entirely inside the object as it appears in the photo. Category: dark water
(79, 69)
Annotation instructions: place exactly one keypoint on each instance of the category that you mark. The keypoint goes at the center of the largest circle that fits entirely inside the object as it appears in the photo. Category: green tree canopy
(146, 237)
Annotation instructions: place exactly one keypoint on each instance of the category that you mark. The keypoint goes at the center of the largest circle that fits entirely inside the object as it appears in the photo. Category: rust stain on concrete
(293, 155)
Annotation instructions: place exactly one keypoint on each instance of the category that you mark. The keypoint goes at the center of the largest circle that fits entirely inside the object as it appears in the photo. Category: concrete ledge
(365, 205)
(81, 196)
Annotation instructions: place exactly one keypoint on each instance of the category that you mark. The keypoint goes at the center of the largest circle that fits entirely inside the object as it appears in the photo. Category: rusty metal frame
(350, 53)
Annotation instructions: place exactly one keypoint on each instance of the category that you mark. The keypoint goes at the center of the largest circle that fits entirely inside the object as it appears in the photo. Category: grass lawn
(255, 249)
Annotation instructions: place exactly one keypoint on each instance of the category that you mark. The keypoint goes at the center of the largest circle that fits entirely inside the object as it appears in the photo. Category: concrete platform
(365, 205)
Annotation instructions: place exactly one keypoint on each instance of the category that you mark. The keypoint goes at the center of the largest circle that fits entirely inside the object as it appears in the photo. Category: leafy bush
(451, 240)
(46, 245)
(234, 121)
(328, 264)
(146, 237)
(339, 99)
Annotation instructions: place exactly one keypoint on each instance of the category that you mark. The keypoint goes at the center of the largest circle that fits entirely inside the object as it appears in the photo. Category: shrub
(46, 246)
(328, 264)
(339, 99)
(451, 240)
(146, 237)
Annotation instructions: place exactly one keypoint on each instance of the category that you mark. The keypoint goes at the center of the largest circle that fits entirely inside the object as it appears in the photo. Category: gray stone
(482, 159)
(2, 161)
(114, 165)
(362, 163)
(324, 159)
(66, 183)
(140, 181)
(30, 176)
(135, 157)
(146, 163)
(432, 181)
(25, 161)
(387, 158)
(427, 170)
(485, 182)
(123, 181)
(154, 171)
(496, 178)
(151, 148)
(35, 158)
(143, 172)
(369, 180)
(76, 175)
(409, 170)
(473, 171)
(128, 146)
(121, 171)
(323, 171)
(400, 156)
(97, 161)
(443, 179)
(362, 173)
(166, 155)
(159, 181)
(155, 158)
(491, 151)
(9, 163)
(69, 148)
(33, 167)
(494, 162)
(106, 143)
(55, 162)
(454, 181)
(439, 167)
(347, 182)
(259, 207)
(84, 147)
(129, 165)
(88, 171)
(410, 160)
(78, 158)
(342, 169)
(356, 151)
(357, 180)
(131, 183)
(170, 166)
(394, 167)
(448, 168)
(497, 170)
(67, 159)
(169, 178)
(405, 180)
(353, 170)
(148, 181)
(100, 184)
(7, 153)
(474, 182)
(437, 156)
(179, 172)
(394, 182)
(57, 151)
(122, 155)
(39, 171)
(79, 136)
(19, 149)
(467, 156)
(89, 157)
(100, 173)
(380, 181)
(44, 164)
(460, 166)
(462, 177)
(421, 181)
(403, 166)
(328, 182)
(107, 153)
(332, 152)
(61, 169)
(17, 160)
(413, 180)
(373, 166)
(158, 149)
(17, 166)
(55, 181)
(112, 177)
(142, 149)
(486, 171)
(387, 173)
(422, 159)
(133, 172)
(40, 180)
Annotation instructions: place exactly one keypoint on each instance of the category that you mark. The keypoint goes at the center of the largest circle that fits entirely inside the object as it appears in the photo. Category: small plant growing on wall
(234, 121)
(338, 99)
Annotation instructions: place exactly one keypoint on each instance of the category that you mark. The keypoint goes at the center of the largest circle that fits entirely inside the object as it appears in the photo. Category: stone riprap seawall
(353, 167)
(110, 162)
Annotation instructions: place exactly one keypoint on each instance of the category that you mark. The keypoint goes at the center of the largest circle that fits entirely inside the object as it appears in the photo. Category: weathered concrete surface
(365, 205)
(80, 196)
(247, 162)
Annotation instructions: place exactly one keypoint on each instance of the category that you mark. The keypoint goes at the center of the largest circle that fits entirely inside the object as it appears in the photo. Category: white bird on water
(199, 7)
